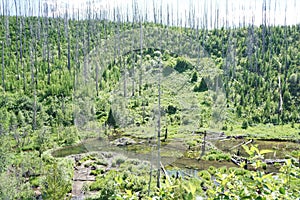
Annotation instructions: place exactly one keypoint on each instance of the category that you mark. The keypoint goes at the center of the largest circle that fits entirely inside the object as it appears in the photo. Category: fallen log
(238, 160)
(243, 143)
(166, 173)
(235, 161)
(272, 162)
(218, 138)
(84, 179)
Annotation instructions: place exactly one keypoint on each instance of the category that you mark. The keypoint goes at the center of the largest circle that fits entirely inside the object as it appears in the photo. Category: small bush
(223, 170)
(34, 181)
(224, 128)
(88, 157)
(97, 172)
(171, 110)
(120, 160)
(101, 162)
(202, 87)
(194, 77)
(244, 124)
(205, 175)
(107, 154)
(211, 170)
(182, 65)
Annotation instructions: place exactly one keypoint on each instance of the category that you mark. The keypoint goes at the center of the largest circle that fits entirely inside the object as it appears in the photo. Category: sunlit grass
(268, 131)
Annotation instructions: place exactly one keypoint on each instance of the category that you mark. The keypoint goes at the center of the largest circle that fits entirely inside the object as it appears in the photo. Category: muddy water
(200, 164)
(281, 149)
(172, 153)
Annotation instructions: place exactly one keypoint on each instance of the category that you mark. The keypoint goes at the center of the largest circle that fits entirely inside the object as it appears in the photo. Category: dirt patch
(94, 161)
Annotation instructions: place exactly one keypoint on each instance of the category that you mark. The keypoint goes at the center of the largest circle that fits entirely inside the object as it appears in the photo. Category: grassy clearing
(77, 149)
(268, 131)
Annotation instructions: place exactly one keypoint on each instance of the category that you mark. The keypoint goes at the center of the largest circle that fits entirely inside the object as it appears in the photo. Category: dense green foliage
(223, 183)
(42, 57)
(259, 70)
(40, 62)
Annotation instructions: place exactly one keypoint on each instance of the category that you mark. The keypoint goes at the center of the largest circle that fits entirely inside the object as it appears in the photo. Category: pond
(281, 149)
(173, 153)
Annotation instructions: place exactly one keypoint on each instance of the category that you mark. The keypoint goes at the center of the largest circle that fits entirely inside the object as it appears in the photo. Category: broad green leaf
(282, 190)
(288, 162)
(267, 176)
(264, 151)
(246, 148)
(129, 193)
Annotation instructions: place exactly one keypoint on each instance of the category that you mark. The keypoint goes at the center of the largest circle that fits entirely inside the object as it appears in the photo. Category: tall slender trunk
(16, 8)
(124, 78)
(89, 31)
(159, 113)
(119, 44)
(158, 127)
(33, 82)
(6, 14)
(97, 79)
(76, 52)
(285, 45)
(6, 33)
(133, 79)
(67, 35)
(264, 22)
(141, 59)
(21, 53)
(3, 68)
(58, 39)
(123, 62)
(133, 66)
(48, 52)
(98, 39)
(154, 12)
(280, 104)
(69, 53)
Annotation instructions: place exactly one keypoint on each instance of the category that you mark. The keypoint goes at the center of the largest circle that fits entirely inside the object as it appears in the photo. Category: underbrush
(132, 181)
